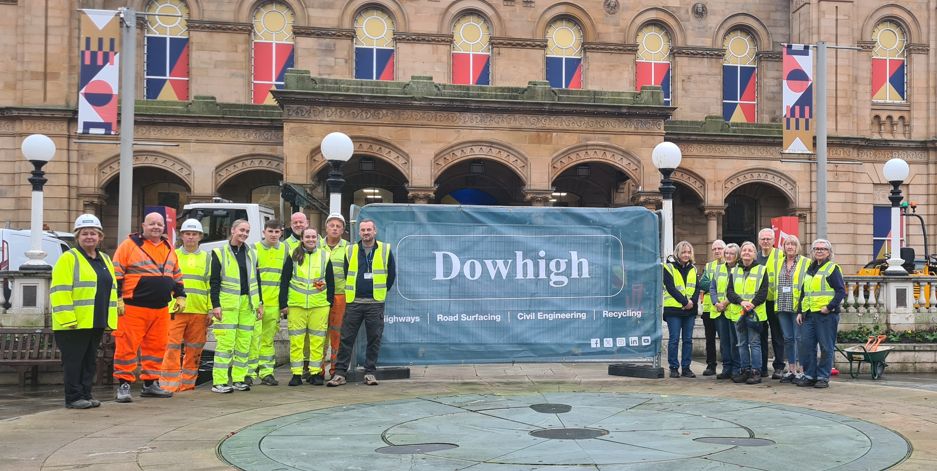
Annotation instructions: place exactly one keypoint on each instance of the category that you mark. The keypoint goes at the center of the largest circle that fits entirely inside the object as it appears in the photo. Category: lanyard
(369, 257)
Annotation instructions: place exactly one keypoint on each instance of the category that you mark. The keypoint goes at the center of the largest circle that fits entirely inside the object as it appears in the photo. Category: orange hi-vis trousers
(183, 351)
(146, 330)
(334, 335)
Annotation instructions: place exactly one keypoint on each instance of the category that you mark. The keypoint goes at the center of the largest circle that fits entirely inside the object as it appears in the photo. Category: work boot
(806, 382)
(269, 380)
(822, 384)
(741, 377)
(709, 371)
(249, 380)
(726, 374)
(153, 390)
(753, 378)
(674, 373)
(776, 374)
(688, 373)
(296, 380)
(123, 393)
(241, 386)
(317, 379)
(79, 404)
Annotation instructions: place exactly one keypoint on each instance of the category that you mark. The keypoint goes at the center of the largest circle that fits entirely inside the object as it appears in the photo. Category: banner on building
(797, 108)
(785, 226)
(478, 284)
(99, 67)
(881, 232)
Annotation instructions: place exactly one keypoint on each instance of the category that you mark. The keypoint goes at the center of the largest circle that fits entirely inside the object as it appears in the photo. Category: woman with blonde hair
(680, 289)
(790, 280)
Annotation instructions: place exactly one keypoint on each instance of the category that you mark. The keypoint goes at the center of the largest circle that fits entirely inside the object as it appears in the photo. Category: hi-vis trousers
(263, 356)
(300, 323)
(233, 341)
(183, 352)
(336, 315)
(146, 330)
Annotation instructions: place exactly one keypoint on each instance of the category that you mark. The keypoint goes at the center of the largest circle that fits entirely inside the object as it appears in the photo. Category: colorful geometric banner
(564, 72)
(374, 63)
(797, 108)
(888, 80)
(470, 68)
(653, 73)
(167, 68)
(271, 60)
(738, 93)
(99, 71)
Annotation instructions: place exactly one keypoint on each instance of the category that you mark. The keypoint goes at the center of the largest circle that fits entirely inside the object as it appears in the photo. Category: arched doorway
(254, 186)
(689, 220)
(368, 179)
(592, 185)
(749, 208)
(151, 187)
(479, 182)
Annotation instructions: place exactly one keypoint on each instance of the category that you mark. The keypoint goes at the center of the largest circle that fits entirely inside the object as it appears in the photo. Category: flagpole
(128, 93)
(820, 81)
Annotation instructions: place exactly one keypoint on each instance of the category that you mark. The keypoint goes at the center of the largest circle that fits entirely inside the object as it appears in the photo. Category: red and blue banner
(564, 72)
(98, 71)
(653, 73)
(471, 68)
(797, 107)
(881, 232)
(271, 61)
(888, 79)
(374, 63)
(738, 93)
(167, 68)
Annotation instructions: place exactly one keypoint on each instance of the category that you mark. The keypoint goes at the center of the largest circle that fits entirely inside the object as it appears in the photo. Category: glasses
(821, 249)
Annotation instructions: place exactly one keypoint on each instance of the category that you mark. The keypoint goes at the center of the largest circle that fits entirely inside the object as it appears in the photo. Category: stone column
(421, 195)
(538, 197)
(713, 215)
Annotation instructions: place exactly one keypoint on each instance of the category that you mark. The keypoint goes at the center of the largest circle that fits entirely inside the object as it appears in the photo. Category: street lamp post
(666, 157)
(337, 149)
(38, 150)
(895, 171)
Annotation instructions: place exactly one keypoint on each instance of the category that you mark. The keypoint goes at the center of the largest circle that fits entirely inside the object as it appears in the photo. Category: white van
(216, 219)
(15, 243)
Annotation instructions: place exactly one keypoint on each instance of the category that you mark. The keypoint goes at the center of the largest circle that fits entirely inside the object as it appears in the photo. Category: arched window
(271, 49)
(652, 64)
(471, 51)
(166, 48)
(564, 53)
(374, 45)
(739, 76)
(889, 63)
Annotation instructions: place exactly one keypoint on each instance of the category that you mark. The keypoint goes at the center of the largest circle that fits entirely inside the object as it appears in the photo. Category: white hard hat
(335, 216)
(192, 225)
(88, 220)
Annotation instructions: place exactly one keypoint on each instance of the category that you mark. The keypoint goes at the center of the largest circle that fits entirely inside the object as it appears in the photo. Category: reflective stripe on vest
(721, 275)
(196, 271)
(747, 285)
(337, 256)
(72, 291)
(817, 290)
(772, 264)
(708, 273)
(303, 292)
(230, 296)
(270, 265)
(685, 287)
(378, 270)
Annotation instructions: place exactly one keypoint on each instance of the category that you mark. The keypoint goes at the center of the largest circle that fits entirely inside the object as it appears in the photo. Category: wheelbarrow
(872, 352)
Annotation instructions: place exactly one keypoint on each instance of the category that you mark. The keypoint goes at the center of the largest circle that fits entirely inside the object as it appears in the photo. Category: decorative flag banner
(784, 226)
(99, 71)
(798, 99)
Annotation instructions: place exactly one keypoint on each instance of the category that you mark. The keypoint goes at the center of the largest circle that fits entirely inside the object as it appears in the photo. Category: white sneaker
(123, 393)
(222, 389)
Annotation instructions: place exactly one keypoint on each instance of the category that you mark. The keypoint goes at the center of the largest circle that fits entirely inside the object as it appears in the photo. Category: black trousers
(709, 327)
(79, 349)
(777, 340)
(372, 315)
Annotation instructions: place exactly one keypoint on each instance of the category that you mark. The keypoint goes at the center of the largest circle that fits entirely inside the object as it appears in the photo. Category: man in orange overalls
(148, 277)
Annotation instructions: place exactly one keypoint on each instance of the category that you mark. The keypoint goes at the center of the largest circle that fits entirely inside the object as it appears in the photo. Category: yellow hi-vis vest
(230, 296)
(378, 271)
(74, 286)
(708, 271)
(337, 256)
(721, 274)
(772, 265)
(303, 292)
(270, 265)
(797, 279)
(733, 311)
(684, 286)
(292, 242)
(196, 271)
(746, 286)
(817, 291)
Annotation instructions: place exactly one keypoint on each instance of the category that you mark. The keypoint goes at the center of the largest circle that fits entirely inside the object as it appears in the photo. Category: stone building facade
(511, 102)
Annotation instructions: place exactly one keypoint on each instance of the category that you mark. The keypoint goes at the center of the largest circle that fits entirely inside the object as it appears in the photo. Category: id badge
(785, 289)
(368, 275)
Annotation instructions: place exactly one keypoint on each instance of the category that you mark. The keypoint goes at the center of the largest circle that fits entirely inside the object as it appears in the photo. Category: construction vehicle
(217, 217)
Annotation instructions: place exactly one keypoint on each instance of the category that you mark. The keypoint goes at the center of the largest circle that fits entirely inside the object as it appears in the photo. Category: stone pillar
(713, 218)
(538, 197)
(422, 195)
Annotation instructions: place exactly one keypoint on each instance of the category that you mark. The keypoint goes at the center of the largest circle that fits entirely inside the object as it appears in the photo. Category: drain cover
(551, 408)
(415, 449)
(569, 433)
(735, 441)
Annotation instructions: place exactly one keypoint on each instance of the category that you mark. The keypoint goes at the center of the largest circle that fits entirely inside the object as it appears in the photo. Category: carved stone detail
(883, 155)
(538, 197)
(770, 177)
(220, 26)
(111, 167)
(649, 199)
(421, 195)
(427, 38)
(221, 133)
(730, 150)
(773, 56)
(519, 43)
(617, 158)
(317, 32)
(918, 48)
(611, 6)
(371, 147)
(246, 163)
(694, 182)
(696, 51)
(866, 45)
(714, 212)
(610, 47)
(481, 150)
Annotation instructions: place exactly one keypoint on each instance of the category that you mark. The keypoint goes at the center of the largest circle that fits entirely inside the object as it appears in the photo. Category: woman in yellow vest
(306, 291)
(188, 329)
(83, 295)
(748, 290)
(680, 291)
(790, 279)
(725, 323)
(820, 301)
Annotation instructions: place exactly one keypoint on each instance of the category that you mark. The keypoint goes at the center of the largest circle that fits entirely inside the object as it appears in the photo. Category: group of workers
(749, 294)
(160, 302)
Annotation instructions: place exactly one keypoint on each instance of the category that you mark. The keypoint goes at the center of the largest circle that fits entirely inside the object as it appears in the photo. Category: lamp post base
(895, 268)
(36, 261)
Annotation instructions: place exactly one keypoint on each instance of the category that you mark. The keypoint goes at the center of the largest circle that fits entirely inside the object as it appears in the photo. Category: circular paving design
(564, 431)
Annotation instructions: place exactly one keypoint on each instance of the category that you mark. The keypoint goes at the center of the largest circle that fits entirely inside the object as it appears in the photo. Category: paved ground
(482, 416)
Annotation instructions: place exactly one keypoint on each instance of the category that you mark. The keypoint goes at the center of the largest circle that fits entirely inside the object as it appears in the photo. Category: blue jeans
(727, 345)
(749, 345)
(818, 329)
(792, 334)
(679, 327)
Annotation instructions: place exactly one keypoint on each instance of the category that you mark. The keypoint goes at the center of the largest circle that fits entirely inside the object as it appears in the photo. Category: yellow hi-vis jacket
(74, 286)
(270, 266)
(378, 270)
(746, 286)
(687, 287)
(196, 270)
(303, 291)
(337, 257)
(230, 296)
(817, 290)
